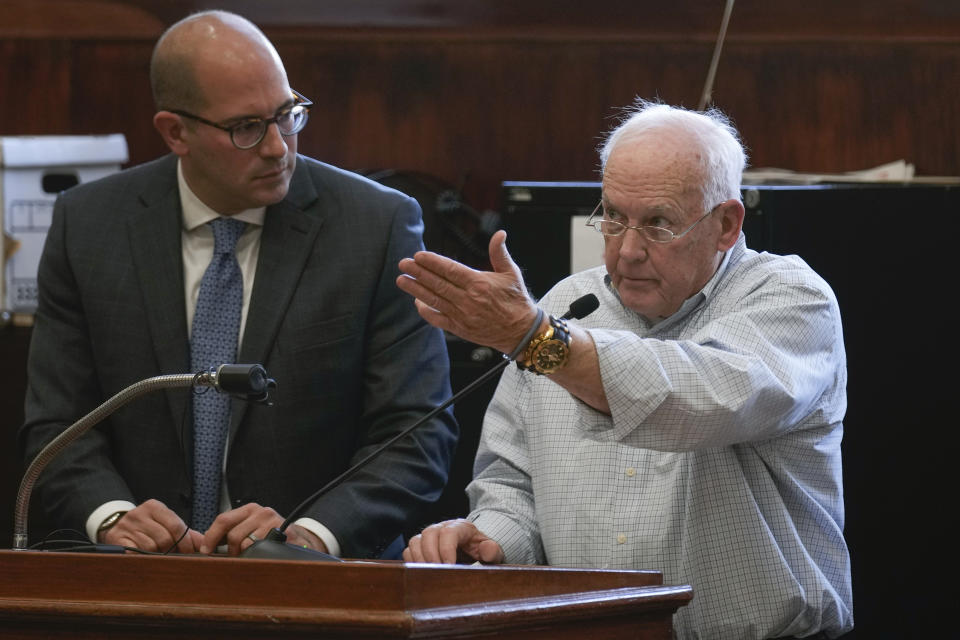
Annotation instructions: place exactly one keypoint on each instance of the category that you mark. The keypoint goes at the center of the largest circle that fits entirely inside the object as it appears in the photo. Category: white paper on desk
(896, 171)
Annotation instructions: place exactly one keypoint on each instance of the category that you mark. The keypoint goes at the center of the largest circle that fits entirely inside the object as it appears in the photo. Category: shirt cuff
(102, 512)
(317, 529)
(518, 545)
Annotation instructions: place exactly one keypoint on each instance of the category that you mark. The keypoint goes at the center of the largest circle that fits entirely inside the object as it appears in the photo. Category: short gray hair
(720, 153)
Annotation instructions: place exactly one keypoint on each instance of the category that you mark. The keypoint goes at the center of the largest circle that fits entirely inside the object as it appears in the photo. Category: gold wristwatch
(547, 351)
(110, 521)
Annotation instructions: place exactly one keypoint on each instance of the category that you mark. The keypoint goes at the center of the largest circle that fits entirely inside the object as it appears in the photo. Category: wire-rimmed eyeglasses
(652, 233)
(248, 132)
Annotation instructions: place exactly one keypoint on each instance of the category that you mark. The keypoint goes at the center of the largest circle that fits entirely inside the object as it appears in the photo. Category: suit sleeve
(406, 374)
(62, 387)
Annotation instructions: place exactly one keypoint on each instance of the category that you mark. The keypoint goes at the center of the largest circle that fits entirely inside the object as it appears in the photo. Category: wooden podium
(80, 595)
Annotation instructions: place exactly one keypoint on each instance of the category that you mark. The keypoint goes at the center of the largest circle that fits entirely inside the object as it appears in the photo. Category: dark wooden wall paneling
(478, 92)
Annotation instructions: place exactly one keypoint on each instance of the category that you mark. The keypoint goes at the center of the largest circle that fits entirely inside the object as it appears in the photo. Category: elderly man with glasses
(234, 248)
(692, 423)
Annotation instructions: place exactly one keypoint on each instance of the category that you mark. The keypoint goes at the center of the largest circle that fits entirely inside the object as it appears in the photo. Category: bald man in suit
(354, 362)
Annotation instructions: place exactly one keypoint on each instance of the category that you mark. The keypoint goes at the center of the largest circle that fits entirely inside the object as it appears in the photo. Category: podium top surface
(218, 580)
(198, 594)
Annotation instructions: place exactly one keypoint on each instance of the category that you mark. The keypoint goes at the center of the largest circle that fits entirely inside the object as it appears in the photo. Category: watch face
(551, 355)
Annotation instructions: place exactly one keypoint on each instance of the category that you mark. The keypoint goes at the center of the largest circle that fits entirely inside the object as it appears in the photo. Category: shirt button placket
(628, 474)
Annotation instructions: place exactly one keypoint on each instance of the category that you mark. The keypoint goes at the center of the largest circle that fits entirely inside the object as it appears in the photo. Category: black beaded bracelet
(526, 339)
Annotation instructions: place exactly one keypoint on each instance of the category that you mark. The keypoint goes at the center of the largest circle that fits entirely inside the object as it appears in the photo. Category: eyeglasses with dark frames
(654, 234)
(249, 132)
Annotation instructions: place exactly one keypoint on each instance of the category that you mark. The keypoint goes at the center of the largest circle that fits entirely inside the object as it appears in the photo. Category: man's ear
(171, 129)
(731, 221)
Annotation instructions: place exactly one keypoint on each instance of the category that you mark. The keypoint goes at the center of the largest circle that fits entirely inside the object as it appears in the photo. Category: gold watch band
(549, 350)
(110, 521)
(537, 340)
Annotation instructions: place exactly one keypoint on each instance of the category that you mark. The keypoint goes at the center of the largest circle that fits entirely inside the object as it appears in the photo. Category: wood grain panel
(204, 597)
(684, 20)
(480, 92)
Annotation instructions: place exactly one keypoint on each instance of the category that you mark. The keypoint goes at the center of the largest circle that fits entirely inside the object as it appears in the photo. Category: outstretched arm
(493, 308)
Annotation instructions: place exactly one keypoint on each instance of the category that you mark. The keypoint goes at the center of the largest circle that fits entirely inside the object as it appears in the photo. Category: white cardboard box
(33, 170)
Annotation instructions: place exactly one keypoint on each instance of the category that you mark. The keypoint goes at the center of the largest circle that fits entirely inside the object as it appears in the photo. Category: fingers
(489, 552)
(183, 539)
(444, 542)
(449, 541)
(303, 537)
(449, 280)
(428, 263)
(488, 308)
(500, 258)
(151, 527)
(423, 295)
(239, 527)
(426, 546)
(426, 279)
(194, 539)
(412, 552)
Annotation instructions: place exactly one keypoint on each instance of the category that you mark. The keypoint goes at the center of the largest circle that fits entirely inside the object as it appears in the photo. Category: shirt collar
(196, 213)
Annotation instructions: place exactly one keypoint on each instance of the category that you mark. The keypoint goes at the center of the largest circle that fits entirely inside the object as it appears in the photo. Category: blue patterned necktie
(213, 341)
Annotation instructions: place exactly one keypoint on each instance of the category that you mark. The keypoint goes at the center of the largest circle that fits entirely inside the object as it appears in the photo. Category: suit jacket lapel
(154, 229)
(289, 233)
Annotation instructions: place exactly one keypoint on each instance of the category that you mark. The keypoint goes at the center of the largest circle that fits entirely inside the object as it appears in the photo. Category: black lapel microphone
(581, 307)
(274, 545)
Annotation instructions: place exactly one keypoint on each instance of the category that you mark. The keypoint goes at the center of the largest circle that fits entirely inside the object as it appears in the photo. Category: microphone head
(582, 307)
(242, 378)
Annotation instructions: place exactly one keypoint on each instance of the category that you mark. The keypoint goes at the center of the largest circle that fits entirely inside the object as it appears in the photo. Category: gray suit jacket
(354, 362)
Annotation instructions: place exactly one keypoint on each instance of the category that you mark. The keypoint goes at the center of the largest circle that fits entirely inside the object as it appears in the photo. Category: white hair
(717, 149)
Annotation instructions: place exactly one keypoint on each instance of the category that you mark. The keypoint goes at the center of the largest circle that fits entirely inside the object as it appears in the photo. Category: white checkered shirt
(720, 464)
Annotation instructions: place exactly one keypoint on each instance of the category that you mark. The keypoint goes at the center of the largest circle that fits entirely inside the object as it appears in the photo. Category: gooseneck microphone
(274, 545)
(248, 381)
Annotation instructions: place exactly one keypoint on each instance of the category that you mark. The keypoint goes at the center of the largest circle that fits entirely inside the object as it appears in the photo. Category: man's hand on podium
(152, 527)
(453, 541)
(301, 537)
(241, 527)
